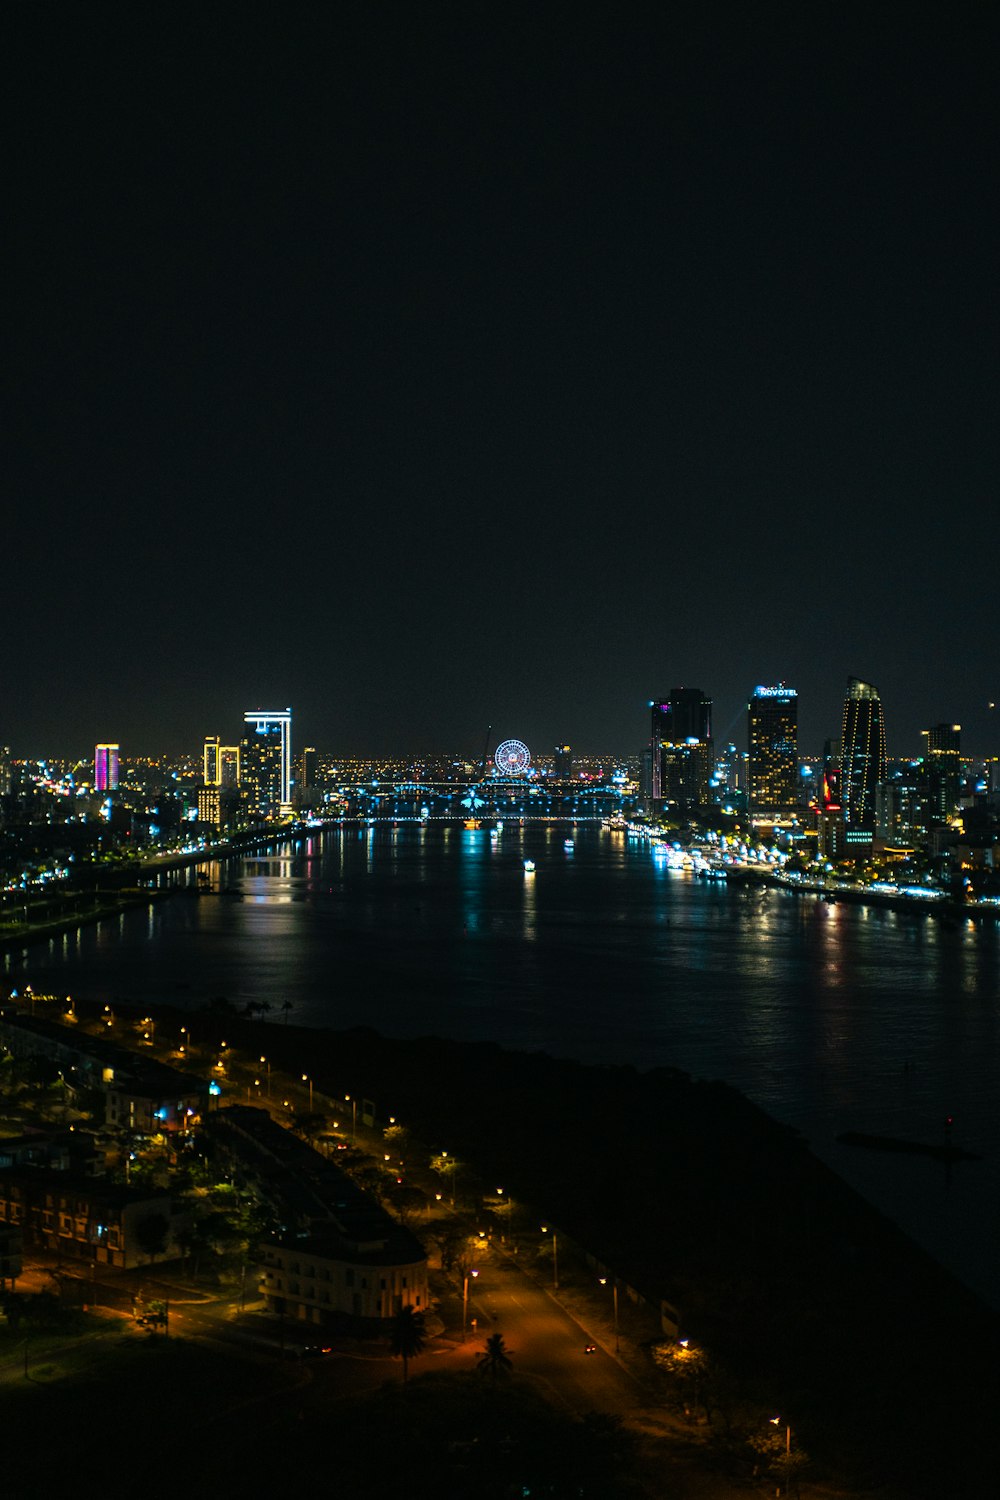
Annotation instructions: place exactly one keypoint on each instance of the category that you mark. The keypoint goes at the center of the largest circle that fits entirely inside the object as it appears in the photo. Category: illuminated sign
(775, 692)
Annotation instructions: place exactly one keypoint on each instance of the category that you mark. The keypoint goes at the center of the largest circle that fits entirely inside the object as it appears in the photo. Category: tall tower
(943, 769)
(661, 733)
(562, 762)
(863, 762)
(691, 715)
(222, 763)
(681, 747)
(267, 759)
(773, 745)
(106, 768)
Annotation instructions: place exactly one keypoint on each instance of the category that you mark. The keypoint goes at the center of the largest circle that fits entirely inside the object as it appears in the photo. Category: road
(546, 1342)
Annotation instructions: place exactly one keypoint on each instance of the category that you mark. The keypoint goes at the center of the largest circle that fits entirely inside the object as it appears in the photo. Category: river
(831, 1017)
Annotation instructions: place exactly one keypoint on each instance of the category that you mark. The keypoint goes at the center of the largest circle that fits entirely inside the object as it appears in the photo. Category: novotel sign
(775, 692)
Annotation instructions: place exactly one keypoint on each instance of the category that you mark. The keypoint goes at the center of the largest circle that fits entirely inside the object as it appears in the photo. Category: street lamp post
(307, 1079)
(465, 1299)
(267, 1065)
(614, 1294)
(354, 1117)
(555, 1257)
(776, 1422)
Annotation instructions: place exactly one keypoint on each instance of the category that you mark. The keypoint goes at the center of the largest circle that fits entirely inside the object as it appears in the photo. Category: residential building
(338, 1253)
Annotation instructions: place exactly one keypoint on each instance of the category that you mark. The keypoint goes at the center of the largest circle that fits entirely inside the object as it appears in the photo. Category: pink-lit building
(106, 768)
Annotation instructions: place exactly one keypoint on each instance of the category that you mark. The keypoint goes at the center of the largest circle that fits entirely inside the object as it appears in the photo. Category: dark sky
(428, 366)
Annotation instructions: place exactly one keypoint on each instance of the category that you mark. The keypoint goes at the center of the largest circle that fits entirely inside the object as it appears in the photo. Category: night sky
(430, 366)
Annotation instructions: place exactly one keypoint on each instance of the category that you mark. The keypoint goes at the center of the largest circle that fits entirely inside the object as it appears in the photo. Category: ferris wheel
(512, 758)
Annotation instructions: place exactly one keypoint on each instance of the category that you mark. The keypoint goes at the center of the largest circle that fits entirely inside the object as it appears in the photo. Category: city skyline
(337, 379)
(632, 740)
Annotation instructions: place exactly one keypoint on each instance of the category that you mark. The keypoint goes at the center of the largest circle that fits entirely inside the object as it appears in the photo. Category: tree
(406, 1336)
(456, 1246)
(495, 1358)
(405, 1200)
(151, 1235)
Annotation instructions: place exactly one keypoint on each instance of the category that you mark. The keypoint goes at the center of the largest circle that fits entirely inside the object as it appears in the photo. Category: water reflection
(832, 1016)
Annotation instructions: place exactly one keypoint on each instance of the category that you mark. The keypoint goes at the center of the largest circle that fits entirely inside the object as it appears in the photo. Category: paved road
(546, 1342)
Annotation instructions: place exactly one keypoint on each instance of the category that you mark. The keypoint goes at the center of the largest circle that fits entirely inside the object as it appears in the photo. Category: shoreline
(129, 897)
(946, 910)
(693, 1196)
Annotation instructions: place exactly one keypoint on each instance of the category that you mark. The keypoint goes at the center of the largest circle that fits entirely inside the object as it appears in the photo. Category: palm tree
(495, 1357)
(406, 1336)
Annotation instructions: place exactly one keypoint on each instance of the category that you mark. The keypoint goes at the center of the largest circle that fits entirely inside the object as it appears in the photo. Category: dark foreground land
(811, 1300)
(809, 1303)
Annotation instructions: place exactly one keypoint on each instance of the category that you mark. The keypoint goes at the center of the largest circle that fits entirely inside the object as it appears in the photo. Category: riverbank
(129, 885)
(886, 1366)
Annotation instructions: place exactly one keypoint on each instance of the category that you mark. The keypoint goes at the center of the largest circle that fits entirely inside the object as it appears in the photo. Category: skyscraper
(863, 762)
(267, 760)
(691, 715)
(660, 734)
(222, 763)
(562, 762)
(681, 747)
(943, 769)
(106, 768)
(773, 746)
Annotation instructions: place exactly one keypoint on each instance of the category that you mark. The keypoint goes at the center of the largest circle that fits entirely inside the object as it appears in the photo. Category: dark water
(831, 1017)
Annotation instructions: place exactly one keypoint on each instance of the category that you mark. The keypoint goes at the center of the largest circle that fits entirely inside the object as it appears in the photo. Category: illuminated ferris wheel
(512, 758)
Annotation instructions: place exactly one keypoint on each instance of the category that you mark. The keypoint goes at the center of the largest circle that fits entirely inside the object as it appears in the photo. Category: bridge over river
(486, 800)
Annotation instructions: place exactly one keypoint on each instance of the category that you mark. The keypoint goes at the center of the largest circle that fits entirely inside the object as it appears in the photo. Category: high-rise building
(943, 770)
(266, 763)
(222, 763)
(863, 757)
(773, 750)
(106, 768)
(686, 773)
(660, 734)
(562, 762)
(211, 770)
(308, 767)
(681, 727)
(690, 715)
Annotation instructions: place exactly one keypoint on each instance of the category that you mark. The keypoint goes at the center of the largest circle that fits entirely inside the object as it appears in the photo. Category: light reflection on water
(832, 1017)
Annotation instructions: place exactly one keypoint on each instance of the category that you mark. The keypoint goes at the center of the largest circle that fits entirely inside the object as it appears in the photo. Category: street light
(465, 1299)
(614, 1293)
(555, 1257)
(267, 1065)
(354, 1117)
(306, 1079)
(776, 1422)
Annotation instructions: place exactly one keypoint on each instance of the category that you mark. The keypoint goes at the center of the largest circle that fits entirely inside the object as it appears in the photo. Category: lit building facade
(681, 751)
(943, 770)
(773, 750)
(106, 768)
(222, 763)
(562, 762)
(863, 762)
(266, 761)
